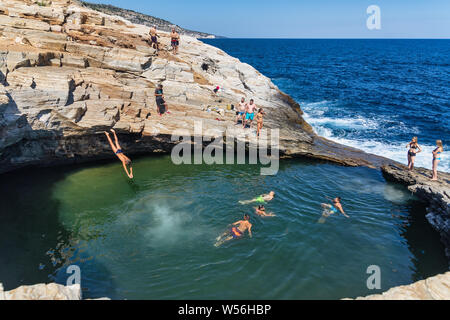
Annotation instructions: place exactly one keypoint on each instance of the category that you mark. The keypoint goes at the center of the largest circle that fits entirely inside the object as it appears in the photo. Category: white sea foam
(159, 222)
(397, 151)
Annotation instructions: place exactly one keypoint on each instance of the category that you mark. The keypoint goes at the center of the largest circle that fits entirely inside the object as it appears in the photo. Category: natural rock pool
(153, 238)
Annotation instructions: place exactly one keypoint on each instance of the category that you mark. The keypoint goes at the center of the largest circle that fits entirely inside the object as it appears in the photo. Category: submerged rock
(68, 73)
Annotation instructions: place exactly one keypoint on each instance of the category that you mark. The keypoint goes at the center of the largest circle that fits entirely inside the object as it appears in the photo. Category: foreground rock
(435, 193)
(434, 288)
(67, 73)
(50, 291)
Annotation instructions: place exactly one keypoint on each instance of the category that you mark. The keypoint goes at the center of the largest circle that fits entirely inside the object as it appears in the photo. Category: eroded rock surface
(435, 193)
(68, 73)
(434, 288)
(51, 291)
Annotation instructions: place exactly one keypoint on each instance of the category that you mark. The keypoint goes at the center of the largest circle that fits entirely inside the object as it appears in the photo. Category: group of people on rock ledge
(174, 39)
(246, 112)
(414, 149)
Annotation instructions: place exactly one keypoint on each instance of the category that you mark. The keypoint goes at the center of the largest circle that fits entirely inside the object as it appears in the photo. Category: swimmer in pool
(126, 162)
(236, 231)
(261, 199)
(333, 208)
(261, 211)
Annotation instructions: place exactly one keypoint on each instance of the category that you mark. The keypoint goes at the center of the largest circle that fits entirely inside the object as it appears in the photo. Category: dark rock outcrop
(435, 193)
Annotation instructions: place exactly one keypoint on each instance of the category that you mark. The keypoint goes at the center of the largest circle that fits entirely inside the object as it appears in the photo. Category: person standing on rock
(241, 111)
(126, 162)
(175, 40)
(154, 38)
(259, 121)
(250, 113)
(437, 157)
(414, 149)
(160, 102)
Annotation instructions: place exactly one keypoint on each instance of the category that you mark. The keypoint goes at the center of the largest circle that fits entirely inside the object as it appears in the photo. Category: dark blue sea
(370, 94)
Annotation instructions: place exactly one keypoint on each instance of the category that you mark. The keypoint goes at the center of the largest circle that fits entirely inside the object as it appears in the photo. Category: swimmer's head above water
(246, 217)
(337, 200)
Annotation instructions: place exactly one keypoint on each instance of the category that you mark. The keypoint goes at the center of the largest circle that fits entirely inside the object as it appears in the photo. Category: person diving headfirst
(117, 149)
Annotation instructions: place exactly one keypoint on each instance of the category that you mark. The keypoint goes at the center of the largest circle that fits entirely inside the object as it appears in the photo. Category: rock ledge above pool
(433, 288)
(68, 73)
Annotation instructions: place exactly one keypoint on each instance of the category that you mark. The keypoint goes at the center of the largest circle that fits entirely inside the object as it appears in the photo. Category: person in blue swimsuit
(333, 208)
(437, 157)
(117, 149)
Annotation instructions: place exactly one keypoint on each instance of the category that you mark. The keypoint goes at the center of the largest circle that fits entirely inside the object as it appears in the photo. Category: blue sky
(300, 18)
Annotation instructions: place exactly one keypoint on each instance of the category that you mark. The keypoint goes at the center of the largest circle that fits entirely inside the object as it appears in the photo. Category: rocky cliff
(68, 73)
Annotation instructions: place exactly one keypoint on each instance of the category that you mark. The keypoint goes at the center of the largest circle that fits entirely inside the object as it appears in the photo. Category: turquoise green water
(154, 238)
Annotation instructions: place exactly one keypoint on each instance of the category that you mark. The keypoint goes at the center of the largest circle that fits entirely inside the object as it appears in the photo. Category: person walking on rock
(154, 38)
(160, 102)
(175, 41)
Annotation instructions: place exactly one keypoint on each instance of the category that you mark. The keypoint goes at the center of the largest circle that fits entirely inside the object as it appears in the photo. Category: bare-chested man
(236, 232)
(240, 113)
(175, 40)
(154, 38)
(250, 113)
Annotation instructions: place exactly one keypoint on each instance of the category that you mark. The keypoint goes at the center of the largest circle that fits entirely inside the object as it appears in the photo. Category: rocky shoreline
(68, 73)
(435, 193)
(433, 288)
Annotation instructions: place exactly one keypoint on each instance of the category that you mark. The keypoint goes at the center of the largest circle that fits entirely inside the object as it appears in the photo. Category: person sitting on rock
(119, 153)
(175, 40)
(160, 102)
(154, 38)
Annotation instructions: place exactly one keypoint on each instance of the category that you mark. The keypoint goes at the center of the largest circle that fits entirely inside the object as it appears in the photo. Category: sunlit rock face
(68, 73)
(434, 288)
(49, 291)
